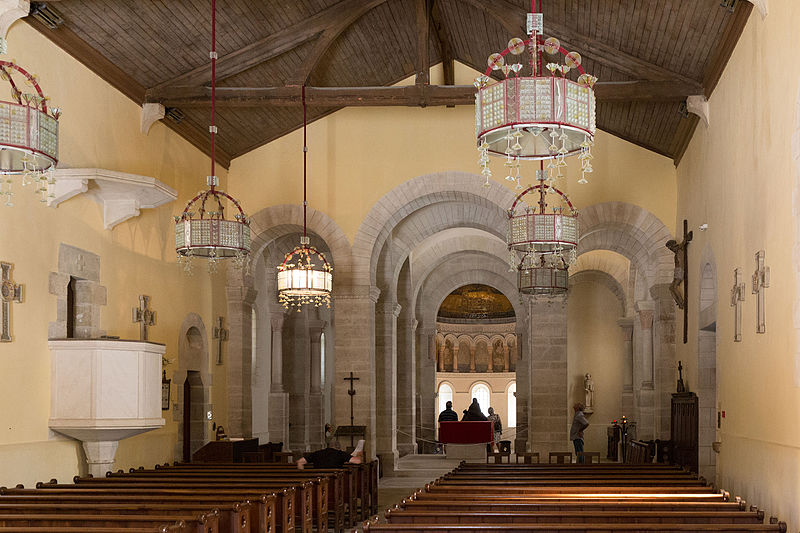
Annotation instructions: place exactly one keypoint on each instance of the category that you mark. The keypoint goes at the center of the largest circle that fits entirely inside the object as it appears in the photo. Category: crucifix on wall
(145, 316)
(221, 334)
(760, 282)
(9, 292)
(681, 274)
(737, 297)
(352, 392)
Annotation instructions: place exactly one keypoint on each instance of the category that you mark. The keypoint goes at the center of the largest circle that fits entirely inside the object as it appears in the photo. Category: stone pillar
(406, 383)
(316, 435)
(549, 415)
(506, 358)
(643, 387)
(523, 362)
(626, 325)
(240, 355)
(665, 372)
(455, 356)
(100, 456)
(278, 398)
(426, 386)
(472, 358)
(386, 383)
(440, 351)
(355, 352)
(490, 348)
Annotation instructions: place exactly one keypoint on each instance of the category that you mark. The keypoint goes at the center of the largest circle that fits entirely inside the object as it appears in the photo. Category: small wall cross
(737, 297)
(760, 282)
(9, 292)
(144, 316)
(221, 334)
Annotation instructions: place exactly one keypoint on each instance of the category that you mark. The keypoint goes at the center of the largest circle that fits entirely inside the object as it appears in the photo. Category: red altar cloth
(465, 432)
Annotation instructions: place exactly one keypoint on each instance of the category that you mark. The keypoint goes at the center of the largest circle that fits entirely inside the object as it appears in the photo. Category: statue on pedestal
(588, 388)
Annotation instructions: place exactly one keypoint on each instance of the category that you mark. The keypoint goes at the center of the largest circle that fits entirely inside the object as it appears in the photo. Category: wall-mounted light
(703, 227)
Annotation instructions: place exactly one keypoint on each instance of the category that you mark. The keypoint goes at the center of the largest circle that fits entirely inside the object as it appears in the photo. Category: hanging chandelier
(304, 277)
(547, 242)
(28, 136)
(544, 116)
(206, 233)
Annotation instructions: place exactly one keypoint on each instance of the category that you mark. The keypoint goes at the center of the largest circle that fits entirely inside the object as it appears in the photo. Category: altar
(466, 440)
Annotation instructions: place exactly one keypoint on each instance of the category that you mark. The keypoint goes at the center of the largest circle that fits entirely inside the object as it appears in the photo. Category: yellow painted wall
(738, 177)
(594, 345)
(359, 154)
(99, 128)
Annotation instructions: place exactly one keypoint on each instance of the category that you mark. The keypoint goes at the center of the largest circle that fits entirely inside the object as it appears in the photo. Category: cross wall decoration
(760, 282)
(737, 297)
(145, 316)
(9, 292)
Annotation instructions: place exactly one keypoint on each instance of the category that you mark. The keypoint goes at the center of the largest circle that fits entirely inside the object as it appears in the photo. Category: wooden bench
(560, 457)
(590, 455)
(175, 528)
(374, 526)
(204, 523)
(527, 457)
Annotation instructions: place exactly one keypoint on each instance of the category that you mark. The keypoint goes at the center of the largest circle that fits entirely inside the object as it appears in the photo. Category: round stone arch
(194, 364)
(604, 279)
(413, 195)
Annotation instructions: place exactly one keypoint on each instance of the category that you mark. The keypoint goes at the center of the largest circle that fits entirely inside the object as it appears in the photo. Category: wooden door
(684, 429)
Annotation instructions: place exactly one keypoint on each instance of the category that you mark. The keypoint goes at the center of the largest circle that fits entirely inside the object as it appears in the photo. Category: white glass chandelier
(304, 277)
(546, 242)
(538, 117)
(28, 136)
(206, 233)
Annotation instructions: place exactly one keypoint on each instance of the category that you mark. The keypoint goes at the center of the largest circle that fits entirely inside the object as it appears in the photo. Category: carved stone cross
(221, 334)
(9, 292)
(737, 297)
(760, 282)
(145, 316)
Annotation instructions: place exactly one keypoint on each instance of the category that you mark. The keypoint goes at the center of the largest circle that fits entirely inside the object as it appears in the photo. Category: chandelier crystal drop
(305, 277)
(28, 136)
(202, 229)
(542, 245)
(544, 116)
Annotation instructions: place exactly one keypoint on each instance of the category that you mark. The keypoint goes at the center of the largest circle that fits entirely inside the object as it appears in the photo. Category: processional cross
(681, 274)
(737, 297)
(221, 334)
(9, 292)
(145, 316)
(760, 282)
(352, 393)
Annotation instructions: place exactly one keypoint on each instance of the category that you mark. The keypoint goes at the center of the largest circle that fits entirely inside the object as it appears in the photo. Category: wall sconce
(165, 383)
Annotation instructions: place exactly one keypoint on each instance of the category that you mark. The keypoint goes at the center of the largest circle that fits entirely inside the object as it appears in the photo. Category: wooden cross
(144, 316)
(221, 334)
(681, 274)
(9, 292)
(352, 393)
(737, 297)
(760, 282)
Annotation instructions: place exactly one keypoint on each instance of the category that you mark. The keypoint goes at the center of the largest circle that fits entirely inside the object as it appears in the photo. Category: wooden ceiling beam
(444, 39)
(407, 95)
(68, 41)
(504, 11)
(423, 64)
(339, 19)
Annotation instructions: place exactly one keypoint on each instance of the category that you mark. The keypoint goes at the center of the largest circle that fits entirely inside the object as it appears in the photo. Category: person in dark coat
(474, 412)
(448, 415)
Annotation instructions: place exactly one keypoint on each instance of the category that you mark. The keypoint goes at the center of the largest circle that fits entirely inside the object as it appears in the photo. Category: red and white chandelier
(547, 242)
(206, 233)
(28, 136)
(544, 116)
(305, 277)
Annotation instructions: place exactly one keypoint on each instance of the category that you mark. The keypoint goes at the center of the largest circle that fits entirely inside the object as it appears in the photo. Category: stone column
(316, 435)
(549, 414)
(523, 363)
(643, 387)
(240, 354)
(426, 386)
(490, 348)
(440, 351)
(626, 325)
(455, 356)
(406, 383)
(386, 383)
(506, 358)
(665, 372)
(472, 358)
(278, 398)
(355, 352)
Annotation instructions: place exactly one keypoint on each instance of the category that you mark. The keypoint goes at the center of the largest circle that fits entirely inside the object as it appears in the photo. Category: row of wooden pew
(197, 498)
(575, 498)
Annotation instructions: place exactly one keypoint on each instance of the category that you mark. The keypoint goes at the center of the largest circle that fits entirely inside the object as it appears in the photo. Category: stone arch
(193, 357)
(604, 279)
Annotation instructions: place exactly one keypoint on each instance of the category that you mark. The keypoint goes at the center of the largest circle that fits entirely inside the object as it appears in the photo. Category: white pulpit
(103, 391)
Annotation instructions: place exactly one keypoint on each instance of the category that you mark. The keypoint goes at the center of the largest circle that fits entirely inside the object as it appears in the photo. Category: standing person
(448, 415)
(474, 412)
(579, 423)
(497, 426)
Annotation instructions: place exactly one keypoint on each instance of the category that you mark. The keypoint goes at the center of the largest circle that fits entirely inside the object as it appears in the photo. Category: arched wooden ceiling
(649, 56)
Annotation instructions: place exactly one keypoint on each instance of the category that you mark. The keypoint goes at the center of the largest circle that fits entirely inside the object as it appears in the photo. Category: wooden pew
(204, 523)
(269, 511)
(374, 527)
(174, 528)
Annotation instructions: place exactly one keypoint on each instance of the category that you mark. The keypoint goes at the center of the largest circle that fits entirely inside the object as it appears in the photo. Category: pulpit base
(467, 452)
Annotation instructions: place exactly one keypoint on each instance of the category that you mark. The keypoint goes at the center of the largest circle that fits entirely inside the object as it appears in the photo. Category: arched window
(484, 396)
(445, 395)
(512, 405)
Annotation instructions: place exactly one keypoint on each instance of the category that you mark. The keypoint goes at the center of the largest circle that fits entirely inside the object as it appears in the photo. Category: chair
(527, 457)
(504, 446)
(589, 457)
(560, 457)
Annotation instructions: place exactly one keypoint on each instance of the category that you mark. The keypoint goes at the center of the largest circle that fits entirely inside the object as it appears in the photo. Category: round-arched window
(512, 405)
(445, 395)
(484, 396)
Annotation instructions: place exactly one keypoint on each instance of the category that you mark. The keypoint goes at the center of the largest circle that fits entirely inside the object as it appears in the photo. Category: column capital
(389, 308)
(277, 321)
